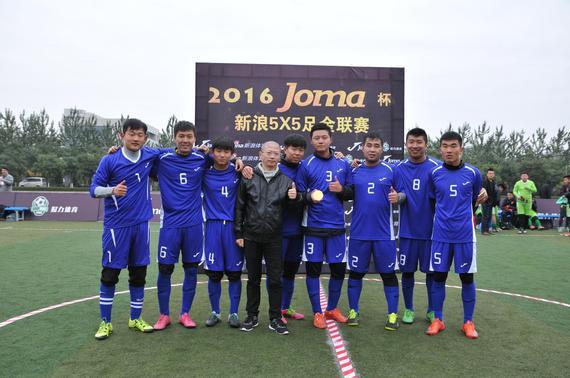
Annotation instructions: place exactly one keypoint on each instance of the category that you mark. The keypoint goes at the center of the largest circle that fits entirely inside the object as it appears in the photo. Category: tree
(166, 137)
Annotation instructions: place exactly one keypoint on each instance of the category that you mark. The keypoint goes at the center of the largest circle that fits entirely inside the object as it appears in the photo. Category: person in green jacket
(523, 190)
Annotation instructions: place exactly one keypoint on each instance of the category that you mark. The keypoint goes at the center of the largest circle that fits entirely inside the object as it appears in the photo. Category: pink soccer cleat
(186, 321)
(162, 322)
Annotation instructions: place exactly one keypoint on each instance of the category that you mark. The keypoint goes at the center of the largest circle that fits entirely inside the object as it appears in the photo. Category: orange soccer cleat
(435, 327)
(319, 320)
(469, 330)
(336, 315)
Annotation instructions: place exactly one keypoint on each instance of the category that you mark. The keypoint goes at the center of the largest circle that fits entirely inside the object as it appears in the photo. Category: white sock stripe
(136, 306)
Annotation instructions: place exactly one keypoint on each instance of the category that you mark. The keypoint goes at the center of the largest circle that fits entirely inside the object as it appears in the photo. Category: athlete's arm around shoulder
(101, 179)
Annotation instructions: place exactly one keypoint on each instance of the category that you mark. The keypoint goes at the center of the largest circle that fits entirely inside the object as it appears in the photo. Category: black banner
(254, 103)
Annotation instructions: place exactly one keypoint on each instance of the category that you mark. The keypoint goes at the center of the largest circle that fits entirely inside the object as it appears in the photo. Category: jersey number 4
(225, 192)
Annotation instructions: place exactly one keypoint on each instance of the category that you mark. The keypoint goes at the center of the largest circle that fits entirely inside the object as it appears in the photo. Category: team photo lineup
(224, 215)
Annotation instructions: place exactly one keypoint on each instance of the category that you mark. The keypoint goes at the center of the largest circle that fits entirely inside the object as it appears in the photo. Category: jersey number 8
(416, 184)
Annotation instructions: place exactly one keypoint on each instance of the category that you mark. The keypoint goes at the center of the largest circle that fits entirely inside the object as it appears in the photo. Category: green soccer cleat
(408, 317)
(233, 319)
(213, 319)
(430, 316)
(104, 331)
(392, 323)
(140, 325)
(353, 318)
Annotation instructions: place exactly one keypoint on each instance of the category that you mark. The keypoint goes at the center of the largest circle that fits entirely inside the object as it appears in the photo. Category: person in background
(6, 180)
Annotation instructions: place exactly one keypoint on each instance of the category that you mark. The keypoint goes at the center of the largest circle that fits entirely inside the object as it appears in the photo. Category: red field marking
(337, 342)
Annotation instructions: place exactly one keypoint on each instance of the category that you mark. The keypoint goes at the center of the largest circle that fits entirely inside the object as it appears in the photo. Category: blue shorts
(315, 248)
(464, 256)
(186, 239)
(412, 253)
(384, 252)
(221, 253)
(293, 248)
(126, 246)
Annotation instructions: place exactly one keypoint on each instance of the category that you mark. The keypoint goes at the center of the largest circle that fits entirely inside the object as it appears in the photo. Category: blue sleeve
(477, 184)
(431, 186)
(347, 170)
(350, 179)
(154, 169)
(301, 179)
(101, 176)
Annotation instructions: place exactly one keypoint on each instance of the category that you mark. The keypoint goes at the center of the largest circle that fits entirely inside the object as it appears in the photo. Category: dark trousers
(563, 221)
(487, 213)
(254, 253)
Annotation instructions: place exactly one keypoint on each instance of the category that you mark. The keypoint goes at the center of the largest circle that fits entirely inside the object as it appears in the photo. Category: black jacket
(259, 206)
(491, 189)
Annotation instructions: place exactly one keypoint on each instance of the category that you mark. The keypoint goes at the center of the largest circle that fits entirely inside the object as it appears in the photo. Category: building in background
(101, 122)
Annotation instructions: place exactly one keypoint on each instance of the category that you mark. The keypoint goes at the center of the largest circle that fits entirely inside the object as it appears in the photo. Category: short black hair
(567, 176)
(417, 132)
(451, 135)
(490, 169)
(524, 173)
(295, 140)
(373, 135)
(321, 126)
(134, 124)
(184, 126)
(223, 143)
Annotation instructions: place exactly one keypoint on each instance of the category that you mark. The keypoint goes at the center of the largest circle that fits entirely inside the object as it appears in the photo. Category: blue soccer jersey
(220, 193)
(317, 173)
(135, 207)
(454, 189)
(416, 212)
(372, 211)
(292, 216)
(180, 182)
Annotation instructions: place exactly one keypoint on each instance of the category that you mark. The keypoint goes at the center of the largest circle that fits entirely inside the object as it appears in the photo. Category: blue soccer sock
(392, 294)
(234, 289)
(288, 286)
(408, 282)
(335, 287)
(429, 286)
(215, 292)
(438, 297)
(137, 299)
(188, 288)
(163, 292)
(313, 288)
(353, 291)
(468, 295)
(106, 294)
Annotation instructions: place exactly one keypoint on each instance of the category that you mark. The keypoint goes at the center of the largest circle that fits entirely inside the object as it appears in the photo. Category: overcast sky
(504, 62)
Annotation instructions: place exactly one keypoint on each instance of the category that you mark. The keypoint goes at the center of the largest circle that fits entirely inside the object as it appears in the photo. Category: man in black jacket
(258, 229)
(489, 186)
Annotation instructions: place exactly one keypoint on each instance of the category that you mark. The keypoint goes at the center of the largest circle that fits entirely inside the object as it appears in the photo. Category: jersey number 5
(453, 190)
